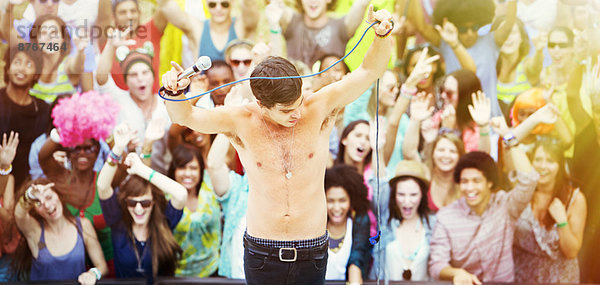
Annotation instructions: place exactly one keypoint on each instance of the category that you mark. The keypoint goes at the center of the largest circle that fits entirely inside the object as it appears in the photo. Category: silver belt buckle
(290, 259)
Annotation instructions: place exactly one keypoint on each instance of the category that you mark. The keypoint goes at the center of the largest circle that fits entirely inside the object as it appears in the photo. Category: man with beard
(19, 111)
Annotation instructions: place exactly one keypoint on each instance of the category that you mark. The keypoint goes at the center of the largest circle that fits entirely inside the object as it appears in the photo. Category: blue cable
(262, 77)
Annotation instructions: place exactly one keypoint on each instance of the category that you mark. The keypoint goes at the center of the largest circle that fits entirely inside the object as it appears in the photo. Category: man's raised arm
(208, 121)
(348, 89)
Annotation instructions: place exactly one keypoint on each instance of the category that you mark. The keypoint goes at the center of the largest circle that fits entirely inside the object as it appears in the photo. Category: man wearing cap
(472, 240)
(140, 105)
(142, 38)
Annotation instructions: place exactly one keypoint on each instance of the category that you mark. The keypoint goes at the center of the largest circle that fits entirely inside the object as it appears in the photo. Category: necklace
(139, 258)
(287, 157)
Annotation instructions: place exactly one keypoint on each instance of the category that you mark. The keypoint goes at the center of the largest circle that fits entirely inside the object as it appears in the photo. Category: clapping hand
(480, 109)
(8, 149)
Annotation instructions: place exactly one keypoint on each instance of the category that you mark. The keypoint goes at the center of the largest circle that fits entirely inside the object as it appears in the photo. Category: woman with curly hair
(139, 214)
(348, 225)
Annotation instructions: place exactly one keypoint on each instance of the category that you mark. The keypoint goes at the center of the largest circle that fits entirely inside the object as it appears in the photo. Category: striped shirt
(481, 245)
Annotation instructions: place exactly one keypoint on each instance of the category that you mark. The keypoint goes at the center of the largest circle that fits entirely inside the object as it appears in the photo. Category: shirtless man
(282, 140)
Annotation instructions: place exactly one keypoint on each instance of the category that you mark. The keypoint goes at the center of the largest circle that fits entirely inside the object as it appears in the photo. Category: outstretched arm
(501, 34)
(216, 165)
(121, 135)
(167, 185)
(52, 169)
(416, 17)
(208, 121)
(169, 12)
(341, 93)
(248, 20)
(94, 251)
(355, 15)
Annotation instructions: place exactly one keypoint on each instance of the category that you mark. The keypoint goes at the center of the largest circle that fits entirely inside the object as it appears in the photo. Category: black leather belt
(287, 254)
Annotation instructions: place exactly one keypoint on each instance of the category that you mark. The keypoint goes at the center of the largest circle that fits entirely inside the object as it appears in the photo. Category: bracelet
(173, 94)
(275, 31)
(510, 140)
(562, 225)
(54, 136)
(145, 155)
(96, 272)
(388, 32)
(482, 134)
(6, 171)
(114, 156)
(151, 175)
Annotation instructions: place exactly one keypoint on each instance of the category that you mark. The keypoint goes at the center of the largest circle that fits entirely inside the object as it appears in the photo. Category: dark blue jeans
(264, 265)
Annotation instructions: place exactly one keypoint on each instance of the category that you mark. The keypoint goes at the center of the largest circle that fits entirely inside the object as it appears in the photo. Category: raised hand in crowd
(8, 150)
(448, 32)
(420, 109)
(116, 39)
(480, 111)
(449, 117)
(422, 69)
(154, 132)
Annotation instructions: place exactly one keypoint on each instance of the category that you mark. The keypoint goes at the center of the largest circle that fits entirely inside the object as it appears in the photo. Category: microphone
(203, 63)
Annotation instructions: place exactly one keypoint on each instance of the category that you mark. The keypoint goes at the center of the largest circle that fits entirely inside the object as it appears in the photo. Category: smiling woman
(54, 238)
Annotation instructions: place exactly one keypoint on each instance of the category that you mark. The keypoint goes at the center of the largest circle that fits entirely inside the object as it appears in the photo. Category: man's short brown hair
(270, 92)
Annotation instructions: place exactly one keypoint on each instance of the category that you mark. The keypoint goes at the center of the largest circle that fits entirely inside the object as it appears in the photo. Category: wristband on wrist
(145, 155)
(562, 225)
(275, 31)
(151, 175)
(482, 134)
(387, 33)
(510, 140)
(96, 272)
(6, 171)
(54, 136)
(172, 94)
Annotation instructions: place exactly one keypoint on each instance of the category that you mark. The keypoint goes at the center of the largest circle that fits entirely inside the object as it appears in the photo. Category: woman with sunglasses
(199, 231)
(55, 244)
(403, 252)
(82, 144)
(555, 77)
(140, 216)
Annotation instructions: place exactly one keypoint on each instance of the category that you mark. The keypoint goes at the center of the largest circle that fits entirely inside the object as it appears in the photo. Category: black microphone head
(203, 63)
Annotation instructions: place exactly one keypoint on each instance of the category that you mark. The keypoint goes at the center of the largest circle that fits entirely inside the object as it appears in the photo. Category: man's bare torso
(280, 208)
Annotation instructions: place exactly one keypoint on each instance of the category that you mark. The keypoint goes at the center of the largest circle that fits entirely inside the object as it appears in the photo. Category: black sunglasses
(464, 29)
(560, 45)
(53, 1)
(213, 5)
(236, 62)
(133, 203)
(88, 149)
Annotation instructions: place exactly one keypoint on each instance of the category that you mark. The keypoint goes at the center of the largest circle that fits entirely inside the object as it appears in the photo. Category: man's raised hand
(169, 79)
